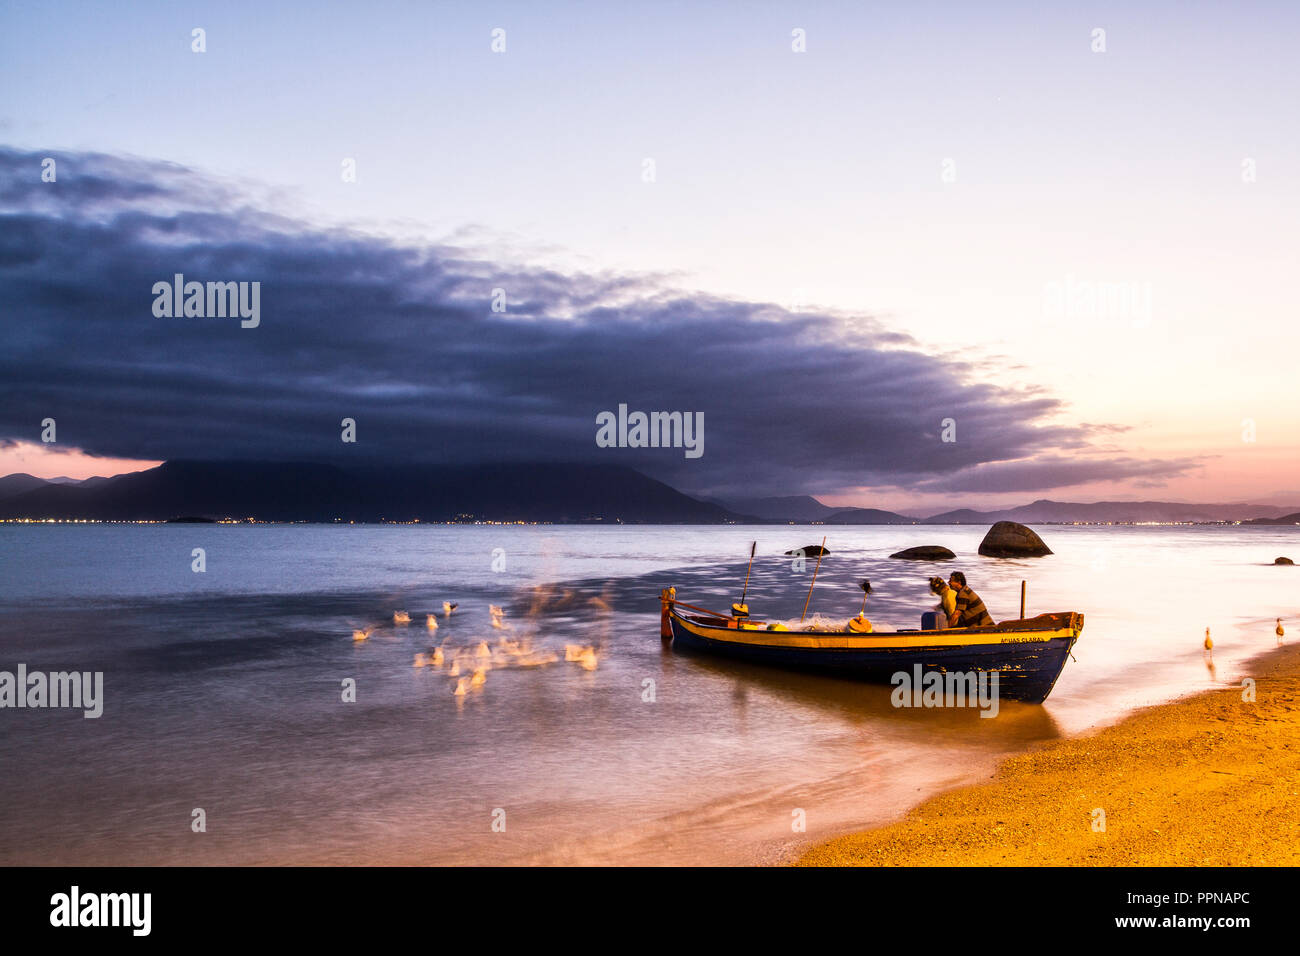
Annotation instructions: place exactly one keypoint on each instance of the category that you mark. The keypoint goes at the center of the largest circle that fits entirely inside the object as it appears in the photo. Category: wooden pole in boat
(752, 547)
(1022, 600)
(814, 580)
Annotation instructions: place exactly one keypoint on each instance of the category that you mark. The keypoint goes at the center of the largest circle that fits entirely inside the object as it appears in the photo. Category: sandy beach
(1207, 780)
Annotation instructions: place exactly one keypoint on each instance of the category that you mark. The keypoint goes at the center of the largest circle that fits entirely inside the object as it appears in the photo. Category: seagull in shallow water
(581, 654)
(431, 622)
(1279, 630)
(1209, 644)
(448, 607)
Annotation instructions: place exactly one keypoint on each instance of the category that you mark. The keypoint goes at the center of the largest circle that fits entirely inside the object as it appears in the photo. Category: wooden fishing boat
(1028, 653)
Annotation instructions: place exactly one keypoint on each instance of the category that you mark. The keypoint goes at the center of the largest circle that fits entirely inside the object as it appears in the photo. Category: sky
(934, 211)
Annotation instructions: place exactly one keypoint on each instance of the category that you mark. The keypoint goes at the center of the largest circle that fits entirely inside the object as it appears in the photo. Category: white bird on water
(431, 622)
(401, 617)
(361, 635)
(582, 655)
(448, 607)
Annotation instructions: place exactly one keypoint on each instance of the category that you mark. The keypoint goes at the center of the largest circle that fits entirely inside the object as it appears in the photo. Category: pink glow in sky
(47, 461)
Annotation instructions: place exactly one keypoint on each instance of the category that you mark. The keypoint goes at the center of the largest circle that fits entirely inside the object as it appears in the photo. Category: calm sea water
(223, 690)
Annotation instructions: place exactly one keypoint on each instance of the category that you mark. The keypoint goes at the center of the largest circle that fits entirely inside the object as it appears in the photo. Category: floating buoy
(860, 624)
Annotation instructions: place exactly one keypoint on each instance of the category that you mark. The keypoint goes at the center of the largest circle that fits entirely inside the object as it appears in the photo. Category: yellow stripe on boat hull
(881, 641)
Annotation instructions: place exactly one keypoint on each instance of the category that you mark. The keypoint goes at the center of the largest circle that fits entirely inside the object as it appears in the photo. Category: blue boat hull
(1028, 662)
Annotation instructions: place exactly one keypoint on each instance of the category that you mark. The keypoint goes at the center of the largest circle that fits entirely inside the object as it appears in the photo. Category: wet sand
(1207, 780)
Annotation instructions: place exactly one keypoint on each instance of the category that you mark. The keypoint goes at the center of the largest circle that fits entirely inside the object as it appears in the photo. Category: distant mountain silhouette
(295, 491)
(1285, 519)
(18, 483)
(1044, 511)
(806, 508)
(785, 508)
(868, 516)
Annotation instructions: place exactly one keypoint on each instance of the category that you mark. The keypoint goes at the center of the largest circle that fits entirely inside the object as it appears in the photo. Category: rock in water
(925, 552)
(1008, 539)
(810, 551)
(1283, 561)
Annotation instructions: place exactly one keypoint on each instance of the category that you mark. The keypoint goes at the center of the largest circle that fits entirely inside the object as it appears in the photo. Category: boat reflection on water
(1018, 659)
(871, 706)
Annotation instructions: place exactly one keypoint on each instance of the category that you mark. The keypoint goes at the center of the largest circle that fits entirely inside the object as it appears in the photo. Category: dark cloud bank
(402, 339)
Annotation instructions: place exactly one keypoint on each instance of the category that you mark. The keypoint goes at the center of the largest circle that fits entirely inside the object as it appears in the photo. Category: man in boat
(969, 610)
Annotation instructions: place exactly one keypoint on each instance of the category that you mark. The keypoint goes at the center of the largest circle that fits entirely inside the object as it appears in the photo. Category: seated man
(970, 610)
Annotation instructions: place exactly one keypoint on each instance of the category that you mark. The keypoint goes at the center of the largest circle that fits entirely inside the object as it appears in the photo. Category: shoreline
(1209, 779)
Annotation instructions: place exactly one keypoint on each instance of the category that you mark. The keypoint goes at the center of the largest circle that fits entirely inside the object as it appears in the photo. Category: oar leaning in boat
(741, 609)
(820, 552)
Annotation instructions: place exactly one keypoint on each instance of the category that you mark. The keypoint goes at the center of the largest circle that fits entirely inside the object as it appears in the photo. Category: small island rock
(1009, 539)
(925, 552)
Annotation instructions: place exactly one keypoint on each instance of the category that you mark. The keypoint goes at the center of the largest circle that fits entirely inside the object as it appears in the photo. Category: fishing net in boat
(814, 623)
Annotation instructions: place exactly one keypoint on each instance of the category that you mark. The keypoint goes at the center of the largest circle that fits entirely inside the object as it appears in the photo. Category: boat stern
(666, 599)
